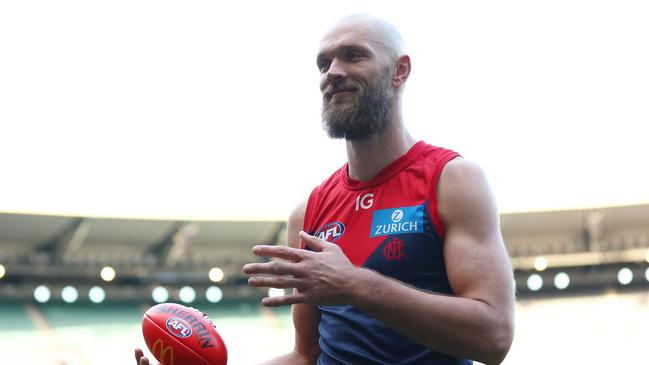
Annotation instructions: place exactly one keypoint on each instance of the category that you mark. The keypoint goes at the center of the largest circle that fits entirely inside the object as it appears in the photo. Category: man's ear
(402, 71)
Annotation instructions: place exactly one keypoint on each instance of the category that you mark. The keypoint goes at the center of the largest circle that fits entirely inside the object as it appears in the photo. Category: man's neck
(367, 157)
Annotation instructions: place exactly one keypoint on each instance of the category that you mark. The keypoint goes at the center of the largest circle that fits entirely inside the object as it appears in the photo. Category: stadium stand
(598, 257)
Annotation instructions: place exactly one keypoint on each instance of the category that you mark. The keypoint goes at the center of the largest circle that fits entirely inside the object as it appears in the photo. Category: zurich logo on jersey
(386, 222)
(330, 231)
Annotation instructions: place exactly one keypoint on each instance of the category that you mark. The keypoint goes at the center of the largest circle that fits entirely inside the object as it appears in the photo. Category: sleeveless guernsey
(389, 224)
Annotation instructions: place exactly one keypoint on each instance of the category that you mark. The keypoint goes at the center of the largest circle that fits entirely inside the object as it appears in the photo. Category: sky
(211, 110)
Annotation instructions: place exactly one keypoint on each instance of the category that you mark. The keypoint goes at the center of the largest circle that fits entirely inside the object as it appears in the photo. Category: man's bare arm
(475, 323)
(306, 317)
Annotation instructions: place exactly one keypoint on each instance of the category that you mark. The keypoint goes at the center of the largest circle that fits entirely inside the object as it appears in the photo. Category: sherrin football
(178, 335)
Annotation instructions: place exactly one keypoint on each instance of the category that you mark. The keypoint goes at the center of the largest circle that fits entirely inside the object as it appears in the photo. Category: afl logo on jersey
(330, 231)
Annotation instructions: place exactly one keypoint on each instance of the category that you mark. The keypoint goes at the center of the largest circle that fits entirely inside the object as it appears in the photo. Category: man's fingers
(140, 358)
(277, 267)
(282, 282)
(314, 242)
(281, 252)
(283, 300)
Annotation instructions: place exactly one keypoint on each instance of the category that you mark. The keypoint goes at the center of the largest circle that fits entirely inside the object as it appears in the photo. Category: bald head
(377, 31)
(363, 69)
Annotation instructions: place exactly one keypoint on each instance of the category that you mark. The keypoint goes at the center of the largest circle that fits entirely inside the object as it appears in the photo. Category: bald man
(397, 257)
(404, 259)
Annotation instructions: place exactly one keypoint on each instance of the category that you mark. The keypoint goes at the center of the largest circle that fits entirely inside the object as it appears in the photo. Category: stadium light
(625, 276)
(96, 294)
(534, 282)
(646, 274)
(216, 274)
(2, 271)
(42, 294)
(187, 294)
(69, 294)
(160, 294)
(561, 280)
(540, 263)
(214, 294)
(107, 273)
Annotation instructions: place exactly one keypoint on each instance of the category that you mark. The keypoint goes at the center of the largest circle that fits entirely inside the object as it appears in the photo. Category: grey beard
(368, 118)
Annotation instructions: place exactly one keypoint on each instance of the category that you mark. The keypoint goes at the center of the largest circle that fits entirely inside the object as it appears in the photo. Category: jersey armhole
(447, 156)
(309, 211)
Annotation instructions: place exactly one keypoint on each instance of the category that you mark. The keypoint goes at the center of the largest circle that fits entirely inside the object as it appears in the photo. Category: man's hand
(141, 359)
(322, 276)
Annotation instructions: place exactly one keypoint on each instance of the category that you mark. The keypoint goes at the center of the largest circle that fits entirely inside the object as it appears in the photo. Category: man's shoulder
(436, 154)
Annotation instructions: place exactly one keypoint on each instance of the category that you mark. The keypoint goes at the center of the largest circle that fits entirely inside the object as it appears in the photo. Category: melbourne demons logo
(330, 231)
(179, 327)
(394, 250)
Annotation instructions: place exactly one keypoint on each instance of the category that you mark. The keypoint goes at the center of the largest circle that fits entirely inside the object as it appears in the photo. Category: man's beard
(368, 117)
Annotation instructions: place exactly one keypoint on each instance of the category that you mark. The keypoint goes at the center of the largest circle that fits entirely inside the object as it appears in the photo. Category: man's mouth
(342, 91)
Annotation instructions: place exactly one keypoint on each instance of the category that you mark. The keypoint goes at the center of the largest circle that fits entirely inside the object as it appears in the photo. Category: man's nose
(336, 71)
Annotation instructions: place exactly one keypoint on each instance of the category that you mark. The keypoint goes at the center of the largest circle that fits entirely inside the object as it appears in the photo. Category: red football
(178, 335)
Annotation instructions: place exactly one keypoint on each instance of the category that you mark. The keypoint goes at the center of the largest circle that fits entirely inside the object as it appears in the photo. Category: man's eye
(323, 66)
(354, 55)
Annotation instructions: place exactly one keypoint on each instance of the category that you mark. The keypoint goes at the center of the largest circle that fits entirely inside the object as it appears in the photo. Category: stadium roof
(174, 252)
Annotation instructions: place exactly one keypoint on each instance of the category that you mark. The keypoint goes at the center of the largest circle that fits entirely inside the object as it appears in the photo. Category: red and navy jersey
(389, 224)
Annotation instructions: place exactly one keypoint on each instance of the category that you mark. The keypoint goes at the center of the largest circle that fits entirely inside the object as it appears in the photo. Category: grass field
(107, 334)
(600, 329)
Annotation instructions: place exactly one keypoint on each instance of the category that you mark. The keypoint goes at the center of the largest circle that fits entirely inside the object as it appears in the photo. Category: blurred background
(146, 146)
